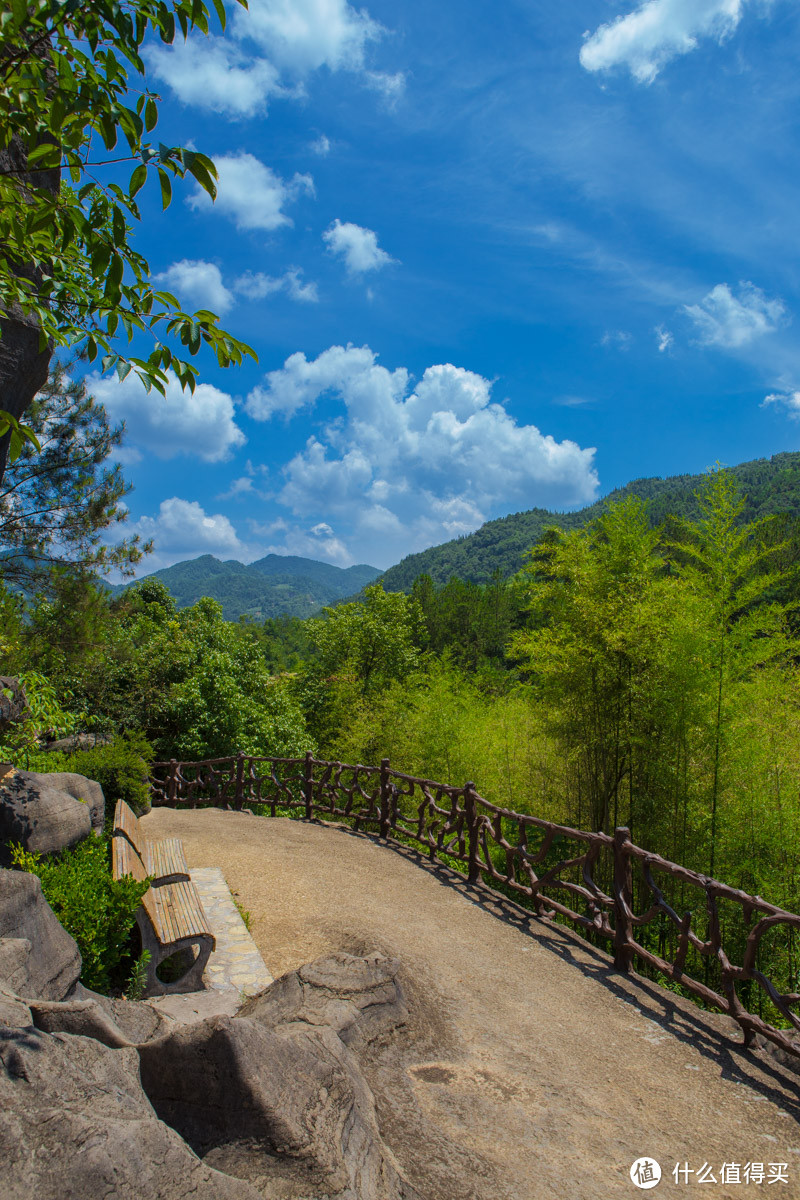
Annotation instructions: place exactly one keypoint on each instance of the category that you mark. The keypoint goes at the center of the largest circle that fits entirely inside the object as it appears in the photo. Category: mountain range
(769, 485)
(285, 584)
(271, 587)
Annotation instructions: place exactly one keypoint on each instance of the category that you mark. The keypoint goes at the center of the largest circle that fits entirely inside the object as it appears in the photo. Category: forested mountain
(273, 586)
(770, 485)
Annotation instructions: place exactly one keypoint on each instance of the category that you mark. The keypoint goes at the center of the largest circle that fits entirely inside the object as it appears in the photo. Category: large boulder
(88, 791)
(38, 958)
(286, 1108)
(361, 999)
(40, 815)
(76, 1125)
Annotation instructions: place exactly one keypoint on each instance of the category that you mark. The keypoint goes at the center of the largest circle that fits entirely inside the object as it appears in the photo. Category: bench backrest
(127, 823)
(125, 860)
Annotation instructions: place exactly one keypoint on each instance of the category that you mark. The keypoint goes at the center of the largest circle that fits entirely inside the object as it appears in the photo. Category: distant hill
(771, 486)
(271, 587)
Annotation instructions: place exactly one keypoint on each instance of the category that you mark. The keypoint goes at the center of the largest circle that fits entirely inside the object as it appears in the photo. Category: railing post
(471, 809)
(239, 797)
(172, 783)
(386, 799)
(308, 784)
(623, 900)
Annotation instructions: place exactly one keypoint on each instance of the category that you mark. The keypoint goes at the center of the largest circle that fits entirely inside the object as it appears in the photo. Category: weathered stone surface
(83, 1018)
(76, 1125)
(38, 814)
(286, 1108)
(79, 741)
(138, 1022)
(13, 1011)
(52, 965)
(361, 999)
(80, 788)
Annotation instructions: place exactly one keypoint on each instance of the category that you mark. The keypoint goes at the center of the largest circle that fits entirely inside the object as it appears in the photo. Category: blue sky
(489, 257)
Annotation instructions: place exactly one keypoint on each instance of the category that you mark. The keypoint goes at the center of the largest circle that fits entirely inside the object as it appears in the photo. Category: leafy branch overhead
(74, 108)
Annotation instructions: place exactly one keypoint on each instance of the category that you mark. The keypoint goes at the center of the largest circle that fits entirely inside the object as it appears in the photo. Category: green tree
(57, 504)
(727, 566)
(611, 656)
(72, 88)
(374, 641)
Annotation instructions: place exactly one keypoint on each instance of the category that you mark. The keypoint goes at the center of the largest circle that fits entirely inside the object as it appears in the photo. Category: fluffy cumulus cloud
(200, 423)
(182, 529)
(251, 194)
(406, 466)
(731, 321)
(272, 48)
(356, 246)
(257, 286)
(217, 74)
(197, 284)
(659, 30)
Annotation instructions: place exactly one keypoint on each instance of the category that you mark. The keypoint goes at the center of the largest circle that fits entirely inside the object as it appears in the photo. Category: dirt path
(531, 1069)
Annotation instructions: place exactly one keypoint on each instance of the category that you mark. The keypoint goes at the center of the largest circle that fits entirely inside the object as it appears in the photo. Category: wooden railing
(609, 888)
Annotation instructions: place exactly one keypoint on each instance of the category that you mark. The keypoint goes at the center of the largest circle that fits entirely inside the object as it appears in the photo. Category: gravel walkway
(531, 1070)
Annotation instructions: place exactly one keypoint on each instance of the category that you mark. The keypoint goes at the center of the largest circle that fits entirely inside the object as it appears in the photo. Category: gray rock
(137, 1021)
(13, 1011)
(50, 966)
(80, 788)
(40, 816)
(280, 1102)
(361, 999)
(76, 1125)
(83, 1018)
(79, 741)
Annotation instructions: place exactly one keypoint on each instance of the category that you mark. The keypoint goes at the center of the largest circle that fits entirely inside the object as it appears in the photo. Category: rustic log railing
(605, 885)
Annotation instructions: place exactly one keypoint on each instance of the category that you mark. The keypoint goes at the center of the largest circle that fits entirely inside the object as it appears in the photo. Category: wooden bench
(171, 921)
(164, 859)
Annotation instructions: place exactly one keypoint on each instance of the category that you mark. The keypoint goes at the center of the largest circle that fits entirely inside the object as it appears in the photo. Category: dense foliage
(59, 499)
(97, 910)
(74, 102)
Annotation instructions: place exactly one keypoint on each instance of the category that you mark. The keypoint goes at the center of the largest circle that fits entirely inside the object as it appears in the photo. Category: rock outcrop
(88, 791)
(38, 958)
(40, 815)
(102, 1097)
(74, 1122)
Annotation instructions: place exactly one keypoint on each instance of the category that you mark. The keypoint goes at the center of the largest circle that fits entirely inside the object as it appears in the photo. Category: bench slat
(165, 857)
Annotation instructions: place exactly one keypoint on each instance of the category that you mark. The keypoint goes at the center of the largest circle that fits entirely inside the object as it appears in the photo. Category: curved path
(531, 1070)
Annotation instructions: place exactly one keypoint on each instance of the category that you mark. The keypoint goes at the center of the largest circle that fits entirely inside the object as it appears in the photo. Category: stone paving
(235, 969)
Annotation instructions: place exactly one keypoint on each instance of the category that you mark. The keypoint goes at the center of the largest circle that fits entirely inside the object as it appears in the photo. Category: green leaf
(150, 114)
(137, 179)
(166, 187)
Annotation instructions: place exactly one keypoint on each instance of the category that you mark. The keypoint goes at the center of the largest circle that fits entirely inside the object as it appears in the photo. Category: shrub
(122, 769)
(96, 909)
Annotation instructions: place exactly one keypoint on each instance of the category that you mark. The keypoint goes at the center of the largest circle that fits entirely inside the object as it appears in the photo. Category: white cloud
(272, 48)
(199, 423)
(216, 74)
(197, 283)
(301, 36)
(730, 322)
(252, 195)
(390, 87)
(321, 146)
(257, 286)
(358, 247)
(665, 339)
(404, 467)
(789, 400)
(182, 529)
(659, 30)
